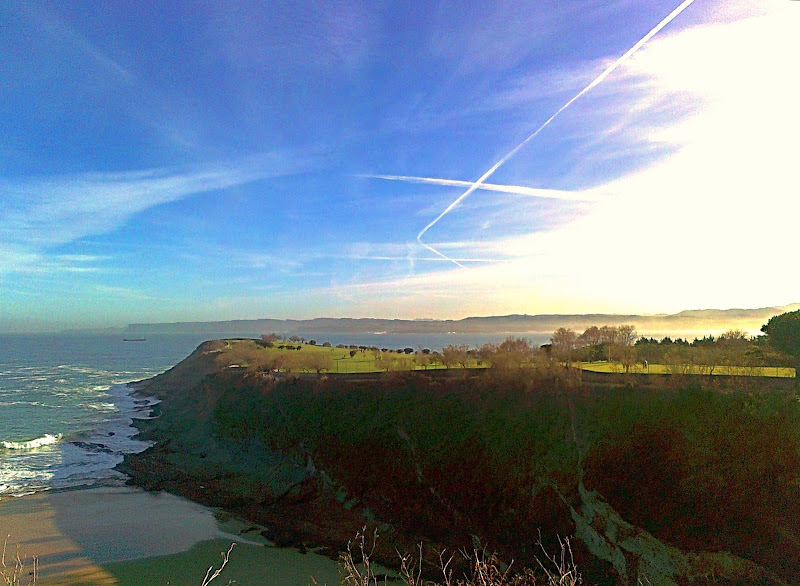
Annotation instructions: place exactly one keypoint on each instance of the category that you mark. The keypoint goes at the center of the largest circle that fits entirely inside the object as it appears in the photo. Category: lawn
(343, 360)
(246, 352)
(771, 371)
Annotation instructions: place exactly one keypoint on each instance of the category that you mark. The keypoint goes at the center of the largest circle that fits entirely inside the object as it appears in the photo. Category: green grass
(363, 361)
(367, 361)
(770, 371)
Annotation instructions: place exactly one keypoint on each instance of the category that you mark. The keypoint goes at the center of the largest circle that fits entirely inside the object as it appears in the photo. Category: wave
(79, 456)
(46, 440)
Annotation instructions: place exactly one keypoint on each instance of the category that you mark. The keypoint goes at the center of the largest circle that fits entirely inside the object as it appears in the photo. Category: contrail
(685, 4)
(424, 259)
(512, 189)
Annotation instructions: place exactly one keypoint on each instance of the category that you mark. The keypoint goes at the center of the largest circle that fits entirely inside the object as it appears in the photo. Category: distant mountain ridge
(696, 319)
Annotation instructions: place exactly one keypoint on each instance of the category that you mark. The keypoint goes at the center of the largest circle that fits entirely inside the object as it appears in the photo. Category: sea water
(66, 412)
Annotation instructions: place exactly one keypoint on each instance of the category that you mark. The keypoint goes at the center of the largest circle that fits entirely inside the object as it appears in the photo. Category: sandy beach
(122, 535)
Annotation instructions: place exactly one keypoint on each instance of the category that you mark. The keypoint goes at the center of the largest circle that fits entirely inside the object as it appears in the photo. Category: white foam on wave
(118, 433)
(84, 459)
(16, 480)
(106, 407)
(24, 403)
(46, 440)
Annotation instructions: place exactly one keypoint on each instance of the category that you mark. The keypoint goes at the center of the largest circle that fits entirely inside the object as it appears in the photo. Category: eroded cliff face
(639, 558)
(495, 459)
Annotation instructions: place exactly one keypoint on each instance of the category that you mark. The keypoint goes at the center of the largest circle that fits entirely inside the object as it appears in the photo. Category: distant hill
(690, 320)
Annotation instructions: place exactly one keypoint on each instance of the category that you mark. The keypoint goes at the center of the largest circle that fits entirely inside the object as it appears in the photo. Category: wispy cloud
(259, 260)
(45, 212)
(409, 251)
(15, 260)
(297, 264)
(126, 293)
(73, 41)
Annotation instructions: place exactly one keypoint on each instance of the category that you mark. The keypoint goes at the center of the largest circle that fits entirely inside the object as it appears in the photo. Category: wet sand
(248, 565)
(123, 535)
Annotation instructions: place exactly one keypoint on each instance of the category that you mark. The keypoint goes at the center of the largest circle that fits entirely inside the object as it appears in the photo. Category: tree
(317, 361)
(783, 334)
(269, 340)
(287, 363)
(423, 359)
(649, 349)
(455, 355)
(625, 350)
(511, 354)
(590, 342)
(608, 337)
(627, 355)
(564, 341)
(709, 356)
(732, 347)
(394, 362)
(591, 336)
(626, 335)
(677, 360)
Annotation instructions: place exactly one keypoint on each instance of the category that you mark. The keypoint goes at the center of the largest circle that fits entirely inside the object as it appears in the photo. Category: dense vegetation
(648, 473)
(493, 457)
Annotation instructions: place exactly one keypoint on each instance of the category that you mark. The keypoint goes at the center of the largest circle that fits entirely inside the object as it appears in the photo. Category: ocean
(65, 409)
(66, 412)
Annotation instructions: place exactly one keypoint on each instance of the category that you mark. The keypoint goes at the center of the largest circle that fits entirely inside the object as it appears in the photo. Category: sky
(191, 161)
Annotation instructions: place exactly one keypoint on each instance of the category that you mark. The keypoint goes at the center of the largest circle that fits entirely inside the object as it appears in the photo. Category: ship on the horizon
(134, 339)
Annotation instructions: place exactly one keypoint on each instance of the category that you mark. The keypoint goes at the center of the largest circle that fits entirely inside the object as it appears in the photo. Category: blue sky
(204, 160)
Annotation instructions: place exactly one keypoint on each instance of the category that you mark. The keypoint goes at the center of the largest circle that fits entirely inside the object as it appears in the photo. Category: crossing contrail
(476, 185)
(510, 189)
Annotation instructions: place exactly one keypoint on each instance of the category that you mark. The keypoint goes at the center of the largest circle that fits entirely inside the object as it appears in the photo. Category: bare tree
(626, 335)
(608, 337)
(564, 342)
(626, 351)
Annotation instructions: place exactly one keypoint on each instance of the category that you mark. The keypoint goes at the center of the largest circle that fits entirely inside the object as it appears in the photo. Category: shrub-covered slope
(645, 478)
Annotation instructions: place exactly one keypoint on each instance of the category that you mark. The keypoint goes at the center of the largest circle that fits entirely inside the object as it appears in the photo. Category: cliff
(666, 482)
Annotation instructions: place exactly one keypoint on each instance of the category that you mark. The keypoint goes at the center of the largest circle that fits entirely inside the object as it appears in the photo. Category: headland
(671, 479)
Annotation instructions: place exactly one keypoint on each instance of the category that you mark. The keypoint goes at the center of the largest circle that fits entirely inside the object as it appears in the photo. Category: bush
(357, 568)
